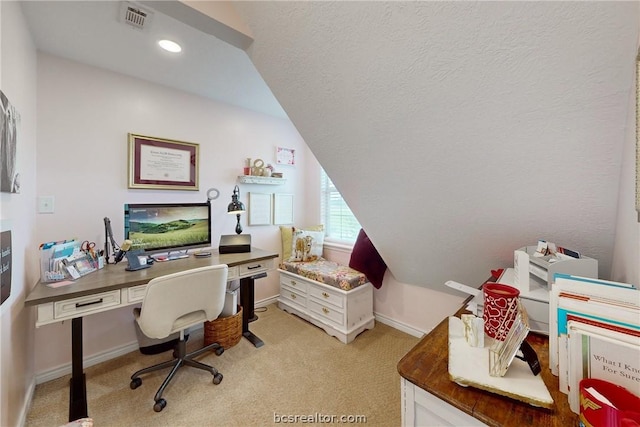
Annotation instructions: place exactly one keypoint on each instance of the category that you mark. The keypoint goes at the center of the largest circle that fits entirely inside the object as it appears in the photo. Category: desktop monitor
(167, 227)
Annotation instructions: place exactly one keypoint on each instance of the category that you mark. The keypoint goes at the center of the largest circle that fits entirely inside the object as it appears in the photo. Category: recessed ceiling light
(170, 46)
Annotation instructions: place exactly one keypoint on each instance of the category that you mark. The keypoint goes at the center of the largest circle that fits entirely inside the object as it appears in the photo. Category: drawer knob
(326, 295)
(293, 282)
(325, 310)
(293, 296)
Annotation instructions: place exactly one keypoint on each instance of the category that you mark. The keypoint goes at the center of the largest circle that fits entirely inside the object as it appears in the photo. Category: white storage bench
(333, 297)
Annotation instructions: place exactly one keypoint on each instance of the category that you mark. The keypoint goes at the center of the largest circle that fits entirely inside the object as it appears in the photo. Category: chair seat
(173, 303)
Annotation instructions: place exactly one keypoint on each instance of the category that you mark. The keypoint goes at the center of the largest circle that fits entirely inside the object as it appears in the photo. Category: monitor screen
(168, 226)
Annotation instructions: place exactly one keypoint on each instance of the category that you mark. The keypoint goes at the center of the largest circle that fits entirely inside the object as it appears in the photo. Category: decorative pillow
(366, 259)
(306, 245)
(286, 233)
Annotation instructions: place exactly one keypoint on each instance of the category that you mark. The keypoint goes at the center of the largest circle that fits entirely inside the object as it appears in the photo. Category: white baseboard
(62, 370)
(408, 329)
(65, 369)
(265, 302)
(22, 419)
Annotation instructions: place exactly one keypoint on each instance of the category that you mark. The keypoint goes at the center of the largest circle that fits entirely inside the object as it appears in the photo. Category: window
(339, 222)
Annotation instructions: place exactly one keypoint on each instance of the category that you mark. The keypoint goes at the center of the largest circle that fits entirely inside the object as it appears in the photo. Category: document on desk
(59, 284)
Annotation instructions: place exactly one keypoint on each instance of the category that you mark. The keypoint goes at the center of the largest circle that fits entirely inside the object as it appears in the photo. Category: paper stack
(594, 332)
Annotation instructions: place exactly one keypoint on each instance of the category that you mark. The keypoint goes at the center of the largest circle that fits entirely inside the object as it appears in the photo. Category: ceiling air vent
(135, 16)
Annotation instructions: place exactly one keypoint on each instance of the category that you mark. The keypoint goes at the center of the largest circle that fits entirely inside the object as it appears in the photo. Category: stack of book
(594, 332)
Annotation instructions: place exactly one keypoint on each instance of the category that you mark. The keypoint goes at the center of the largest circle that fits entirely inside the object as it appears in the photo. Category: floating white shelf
(250, 179)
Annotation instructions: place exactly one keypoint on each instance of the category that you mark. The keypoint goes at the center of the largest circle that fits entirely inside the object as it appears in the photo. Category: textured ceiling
(92, 33)
(460, 131)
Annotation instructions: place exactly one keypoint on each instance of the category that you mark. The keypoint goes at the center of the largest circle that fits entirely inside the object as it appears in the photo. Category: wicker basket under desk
(225, 331)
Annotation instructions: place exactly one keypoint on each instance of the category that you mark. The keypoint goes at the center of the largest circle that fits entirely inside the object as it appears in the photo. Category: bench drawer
(327, 296)
(293, 295)
(293, 283)
(327, 312)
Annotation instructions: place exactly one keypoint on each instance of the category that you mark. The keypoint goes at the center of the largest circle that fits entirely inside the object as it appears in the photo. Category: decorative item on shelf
(258, 167)
(276, 175)
(247, 166)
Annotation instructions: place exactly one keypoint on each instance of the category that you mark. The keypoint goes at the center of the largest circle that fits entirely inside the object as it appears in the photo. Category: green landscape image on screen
(168, 227)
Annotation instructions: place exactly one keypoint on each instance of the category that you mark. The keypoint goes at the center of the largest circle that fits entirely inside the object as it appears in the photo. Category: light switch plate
(46, 204)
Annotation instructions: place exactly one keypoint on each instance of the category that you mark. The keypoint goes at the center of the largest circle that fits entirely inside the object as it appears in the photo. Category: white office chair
(173, 303)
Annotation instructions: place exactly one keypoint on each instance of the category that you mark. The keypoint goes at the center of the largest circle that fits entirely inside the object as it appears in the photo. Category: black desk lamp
(240, 242)
(236, 207)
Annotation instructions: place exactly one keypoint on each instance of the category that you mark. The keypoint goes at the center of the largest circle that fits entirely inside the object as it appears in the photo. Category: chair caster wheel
(217, 378)
(135, 383)
(219, 351)
(160, 404)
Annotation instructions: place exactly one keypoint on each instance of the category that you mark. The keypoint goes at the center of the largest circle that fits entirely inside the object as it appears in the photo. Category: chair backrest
(177, 301)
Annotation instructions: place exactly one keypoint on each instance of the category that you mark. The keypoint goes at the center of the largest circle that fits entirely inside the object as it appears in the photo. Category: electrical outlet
(46, 204)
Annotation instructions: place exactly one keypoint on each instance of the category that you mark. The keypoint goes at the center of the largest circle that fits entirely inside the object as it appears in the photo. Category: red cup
(497, 300)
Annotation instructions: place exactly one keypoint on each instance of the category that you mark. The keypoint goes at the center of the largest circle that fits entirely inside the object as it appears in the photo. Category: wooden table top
(114, 276)
(426, 365)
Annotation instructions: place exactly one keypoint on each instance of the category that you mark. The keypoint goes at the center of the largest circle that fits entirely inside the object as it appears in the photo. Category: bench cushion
(327, 272)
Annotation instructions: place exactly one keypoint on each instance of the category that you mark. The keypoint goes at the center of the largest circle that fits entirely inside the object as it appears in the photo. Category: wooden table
(426, 366)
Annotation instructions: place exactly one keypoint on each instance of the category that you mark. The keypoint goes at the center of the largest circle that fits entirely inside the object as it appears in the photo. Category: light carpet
(300, 371)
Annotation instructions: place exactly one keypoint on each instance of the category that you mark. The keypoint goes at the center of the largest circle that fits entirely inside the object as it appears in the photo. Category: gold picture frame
(165, 164)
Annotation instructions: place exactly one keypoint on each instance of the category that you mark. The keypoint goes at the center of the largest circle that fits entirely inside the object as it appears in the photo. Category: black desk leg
(77, 384)
(247, 300)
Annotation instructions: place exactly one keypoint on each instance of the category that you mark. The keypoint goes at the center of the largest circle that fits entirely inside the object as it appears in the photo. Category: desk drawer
(232, 273)
(78, 306)
(135, 293)
(255, 267)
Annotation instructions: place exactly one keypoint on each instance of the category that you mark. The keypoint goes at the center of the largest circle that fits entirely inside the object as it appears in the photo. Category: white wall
(84, 115)
(626, 260)
(18, 82)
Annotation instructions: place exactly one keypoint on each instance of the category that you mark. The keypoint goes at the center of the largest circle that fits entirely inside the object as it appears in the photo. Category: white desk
(113, 287)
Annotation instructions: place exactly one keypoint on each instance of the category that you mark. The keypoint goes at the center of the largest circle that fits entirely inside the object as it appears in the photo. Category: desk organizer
(469, 366)
(225, 331)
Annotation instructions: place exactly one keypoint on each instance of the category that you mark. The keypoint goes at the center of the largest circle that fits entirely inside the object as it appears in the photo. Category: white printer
(532, 276)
